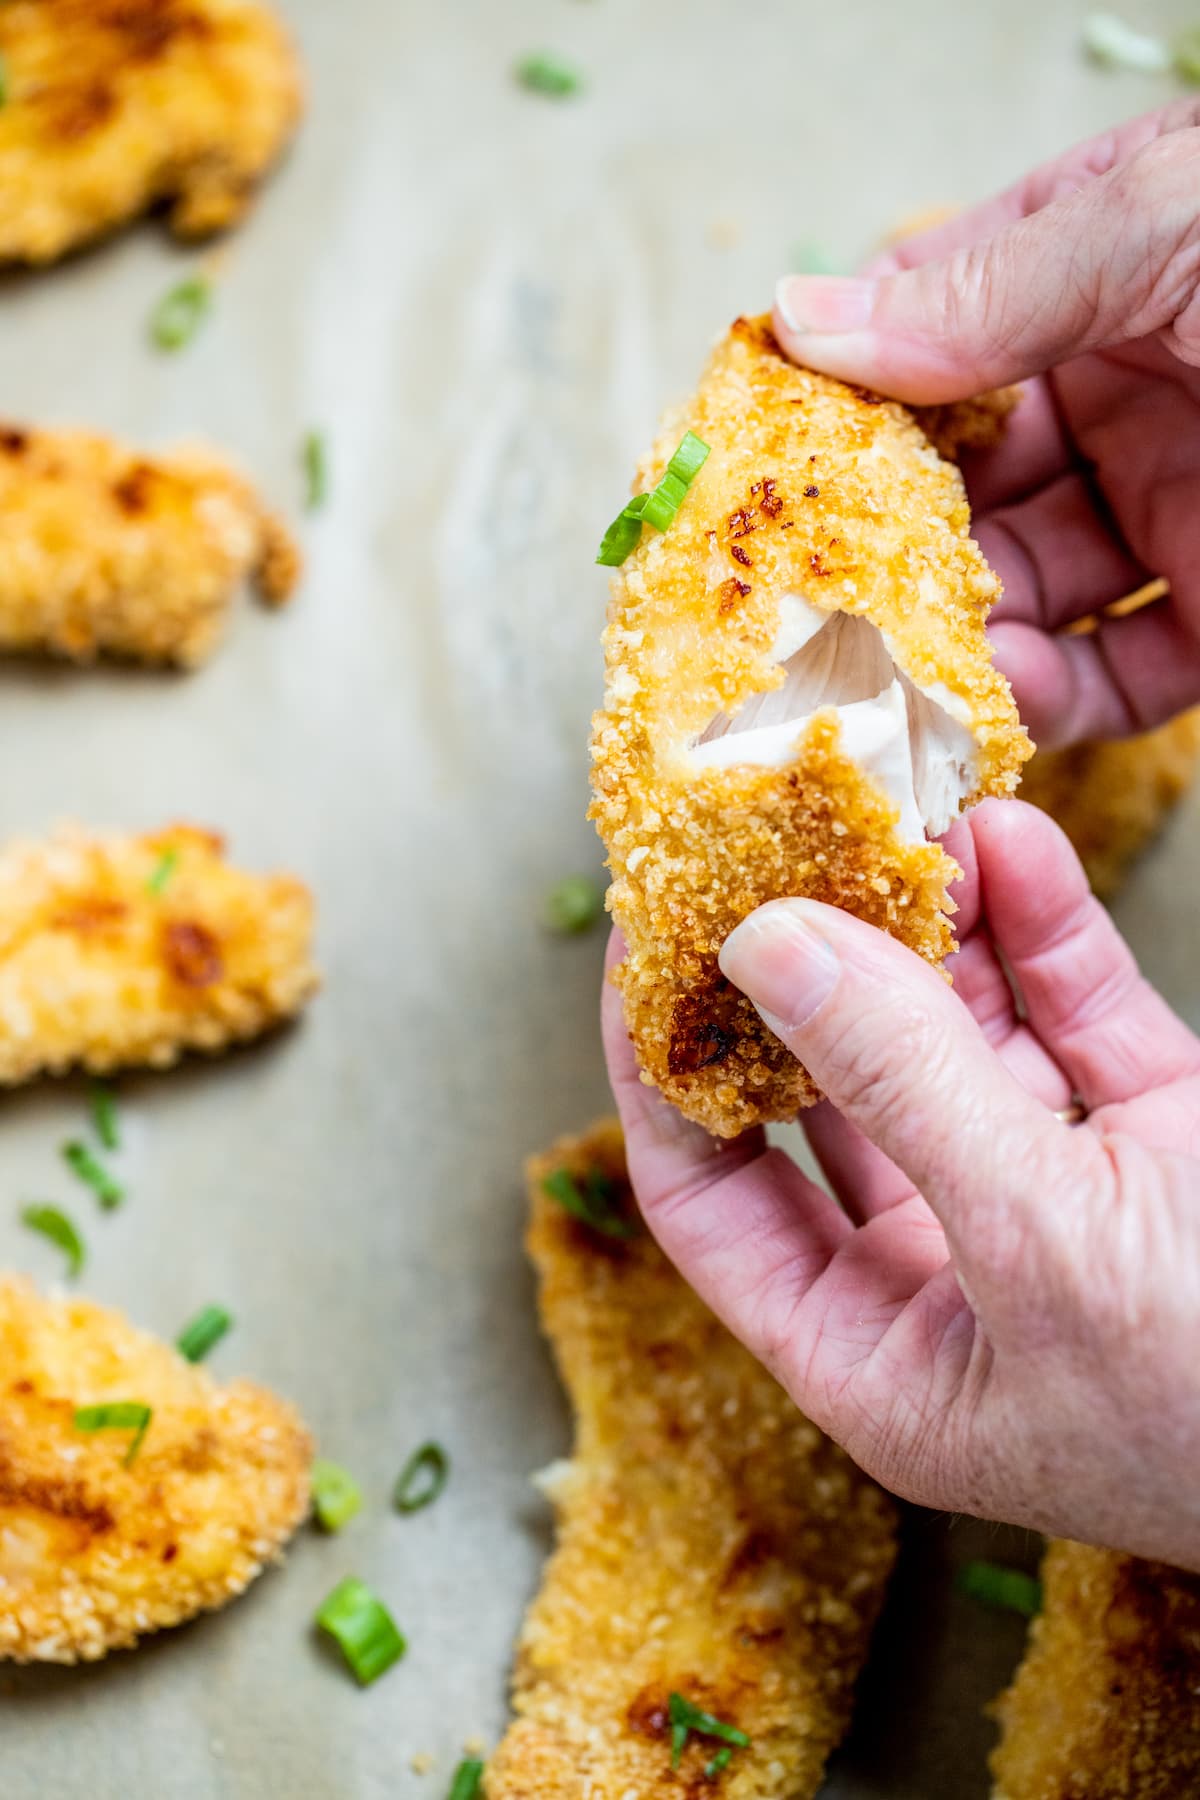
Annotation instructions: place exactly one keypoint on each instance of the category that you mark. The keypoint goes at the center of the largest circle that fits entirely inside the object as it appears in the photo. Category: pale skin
(997, 1313)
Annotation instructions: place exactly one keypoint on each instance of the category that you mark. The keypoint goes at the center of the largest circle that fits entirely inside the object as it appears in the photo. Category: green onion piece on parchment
(181, 312)
(104, 1116)
(92, 1172)
(336, 1496)
(658, 507)
(593, 1203)
(55, 1225)
(421, 1479)
(163, 870)
(686, 1718)
(364, 1628)
(467, 1778)
(1009, 1590)
(200, 1334)
(574, 905)
(549, 75)
(117, 1415)
(315, 457)
(1110, 41)
(1185, 54)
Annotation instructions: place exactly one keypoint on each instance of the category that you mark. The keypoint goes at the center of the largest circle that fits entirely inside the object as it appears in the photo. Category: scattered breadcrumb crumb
(104, 549)
(98, 1552)
(113, 106)
(1104, 1706)
(711, 1541)
(421, 1762)
(126, 951)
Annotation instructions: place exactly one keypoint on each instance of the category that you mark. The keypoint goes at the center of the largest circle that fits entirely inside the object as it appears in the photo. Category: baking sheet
(484, 298)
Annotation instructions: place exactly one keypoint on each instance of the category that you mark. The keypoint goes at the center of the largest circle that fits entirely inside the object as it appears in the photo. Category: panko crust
(1113, 797)
(1104, 1706)
(100, 970)
(114, 106)
(104, 549)
(816, 487)
(94, 1554)
(710, 1540)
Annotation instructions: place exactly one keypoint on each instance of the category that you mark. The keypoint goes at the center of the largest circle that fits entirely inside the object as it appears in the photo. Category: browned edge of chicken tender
(107, 550)
(114, 106)
(829, 501)
(1104, 1706)
(99, 1546)
(711, 1542)
(125, 951)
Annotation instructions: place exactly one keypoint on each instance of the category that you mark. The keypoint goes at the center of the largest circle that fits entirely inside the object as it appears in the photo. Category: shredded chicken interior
(905, 737)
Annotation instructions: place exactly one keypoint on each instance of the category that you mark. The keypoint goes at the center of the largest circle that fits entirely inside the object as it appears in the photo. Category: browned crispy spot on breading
(134, 490)
(192, 953)
(702, 1030)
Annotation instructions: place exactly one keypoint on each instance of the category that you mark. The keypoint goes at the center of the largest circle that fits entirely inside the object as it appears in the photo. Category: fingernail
(781, 962)
(823, 305)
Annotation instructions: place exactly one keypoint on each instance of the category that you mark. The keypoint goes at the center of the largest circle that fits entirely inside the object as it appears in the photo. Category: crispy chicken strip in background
(1105, 1707)
(113, 106)
(94, 1554)
(799, 689)
(103, 549)
(124, 951)
(710, 1541)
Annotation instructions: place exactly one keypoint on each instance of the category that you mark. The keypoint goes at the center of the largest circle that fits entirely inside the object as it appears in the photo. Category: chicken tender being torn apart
(124, 951)
(799, 697)
(97, 1548)
(712, 1544)
(114, 106)
(1104, 1705)
(105, 550)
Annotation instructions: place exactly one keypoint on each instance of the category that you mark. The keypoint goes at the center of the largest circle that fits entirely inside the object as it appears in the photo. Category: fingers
(1033, 451)
(1114, 1036)
(1112, 261)
(1057, 556)
(899, 1054)
(1127, 675)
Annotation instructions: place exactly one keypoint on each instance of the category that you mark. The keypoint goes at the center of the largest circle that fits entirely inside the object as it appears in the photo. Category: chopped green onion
(544, 74)
(365, 1629)
(594, 1204)
(56, 1226)
(179, 314)
(421, 1479)
(336, 1496)
(316, 470)
(82, 1162)
(686, 1718)
(4, 82)
(720, 1761)
(1011, 1590)
(1110, 41)
(117, 1415)
(104, 1116)
(163, 870)
(574, 905)
(1185, 54)
(467, 1778)
(201, 1333)
(658, 507)
(813, 259)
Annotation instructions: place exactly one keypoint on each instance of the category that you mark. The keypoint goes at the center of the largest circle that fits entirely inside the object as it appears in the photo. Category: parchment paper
(485, 298)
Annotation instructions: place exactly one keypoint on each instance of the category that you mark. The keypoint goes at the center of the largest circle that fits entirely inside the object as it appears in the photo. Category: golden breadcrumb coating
(113, 106)
(811, 488)
(1104, 1706)
(124, 951)
(711, 1541)
(1112, 797)
(103, 549)
(95, 1554)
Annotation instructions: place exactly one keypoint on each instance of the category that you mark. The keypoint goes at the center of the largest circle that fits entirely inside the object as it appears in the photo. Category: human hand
(1087, 275)
(1000, 1317)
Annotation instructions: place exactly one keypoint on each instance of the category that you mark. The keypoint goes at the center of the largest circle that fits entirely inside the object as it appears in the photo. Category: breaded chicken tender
(124, 951)
(711, 1543)
(113, 106)
(1104, 1706)
(96, 1551)
(1113, 797)
(799, 693)
(104, 549)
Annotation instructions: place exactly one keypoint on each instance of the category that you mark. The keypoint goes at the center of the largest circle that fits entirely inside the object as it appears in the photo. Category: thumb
(1113, 261)
(900, 1056)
